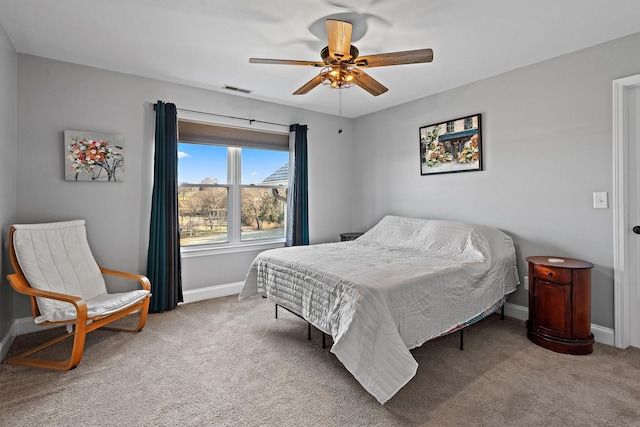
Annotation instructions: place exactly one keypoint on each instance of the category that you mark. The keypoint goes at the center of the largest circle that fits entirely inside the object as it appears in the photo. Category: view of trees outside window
(207, 193)
(202, 215)
(262, 214)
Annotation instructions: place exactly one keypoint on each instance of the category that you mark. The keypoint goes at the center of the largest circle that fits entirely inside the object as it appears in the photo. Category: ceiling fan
(342, 66)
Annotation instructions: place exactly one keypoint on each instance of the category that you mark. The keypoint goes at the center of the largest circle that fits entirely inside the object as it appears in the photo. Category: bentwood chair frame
(83, 323)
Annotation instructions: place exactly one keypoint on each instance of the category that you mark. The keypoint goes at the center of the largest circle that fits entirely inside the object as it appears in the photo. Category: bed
(399, 285)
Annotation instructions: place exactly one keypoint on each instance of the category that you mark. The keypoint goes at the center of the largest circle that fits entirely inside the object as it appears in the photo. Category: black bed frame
(324, 343)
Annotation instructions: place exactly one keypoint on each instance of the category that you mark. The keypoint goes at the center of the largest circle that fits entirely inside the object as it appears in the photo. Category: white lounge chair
(54, 266)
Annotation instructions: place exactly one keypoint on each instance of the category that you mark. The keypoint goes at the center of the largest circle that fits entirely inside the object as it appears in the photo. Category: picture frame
(93, 156)
(451, 146)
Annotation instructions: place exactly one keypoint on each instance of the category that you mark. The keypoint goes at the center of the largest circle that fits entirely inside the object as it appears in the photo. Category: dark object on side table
(345, 237)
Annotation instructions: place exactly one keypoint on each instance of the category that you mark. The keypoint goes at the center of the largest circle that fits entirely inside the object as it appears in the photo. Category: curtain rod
(251, 121)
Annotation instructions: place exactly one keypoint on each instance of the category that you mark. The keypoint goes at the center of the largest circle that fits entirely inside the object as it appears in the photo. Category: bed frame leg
(309, 331)
(324, 342)
(276, 311)
(502, 312)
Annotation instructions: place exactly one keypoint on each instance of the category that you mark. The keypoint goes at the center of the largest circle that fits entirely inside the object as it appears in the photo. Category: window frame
(234, 202)
(468, 123)
(451, 126)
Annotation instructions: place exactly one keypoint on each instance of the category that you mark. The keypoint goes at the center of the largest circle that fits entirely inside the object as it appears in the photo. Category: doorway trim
(621, 265)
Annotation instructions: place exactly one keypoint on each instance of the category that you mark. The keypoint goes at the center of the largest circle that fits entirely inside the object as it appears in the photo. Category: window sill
(208, 250)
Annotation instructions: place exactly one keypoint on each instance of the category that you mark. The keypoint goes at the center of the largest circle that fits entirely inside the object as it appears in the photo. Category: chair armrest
(144, 281)
(20, 285)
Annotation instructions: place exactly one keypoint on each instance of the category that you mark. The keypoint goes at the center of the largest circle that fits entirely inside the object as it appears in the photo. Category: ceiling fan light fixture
(340, 76)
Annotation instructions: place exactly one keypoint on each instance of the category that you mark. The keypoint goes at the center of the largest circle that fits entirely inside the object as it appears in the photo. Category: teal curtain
(163, 261)
(298, 202)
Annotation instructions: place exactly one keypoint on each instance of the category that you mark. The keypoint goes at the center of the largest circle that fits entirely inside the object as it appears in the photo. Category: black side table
(345, 237)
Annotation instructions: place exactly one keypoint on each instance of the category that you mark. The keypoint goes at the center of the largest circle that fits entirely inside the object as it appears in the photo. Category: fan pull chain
(340, 108)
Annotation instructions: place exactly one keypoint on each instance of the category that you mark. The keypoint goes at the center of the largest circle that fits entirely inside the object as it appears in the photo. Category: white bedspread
(399, 285)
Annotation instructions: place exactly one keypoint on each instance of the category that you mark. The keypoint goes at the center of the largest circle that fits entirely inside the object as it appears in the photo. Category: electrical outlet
(526, 283)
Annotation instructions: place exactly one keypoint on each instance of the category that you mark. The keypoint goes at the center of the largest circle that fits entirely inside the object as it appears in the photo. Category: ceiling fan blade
(339, 37)
(395, 58)
(286, 62)
(370, 84)
(309, 85)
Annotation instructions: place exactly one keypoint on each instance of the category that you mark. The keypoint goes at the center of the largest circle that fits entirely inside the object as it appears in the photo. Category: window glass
(217, 182)
(260, 167)
(262, 213)
(198, 163)
(263, 209)
(203, 215)
(202, 195)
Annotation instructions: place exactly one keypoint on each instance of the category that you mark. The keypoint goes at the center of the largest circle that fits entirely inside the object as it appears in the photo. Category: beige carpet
(230, 363)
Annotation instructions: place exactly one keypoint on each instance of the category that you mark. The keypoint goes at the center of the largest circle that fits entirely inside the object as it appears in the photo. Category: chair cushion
(56, 257)
(99, 306)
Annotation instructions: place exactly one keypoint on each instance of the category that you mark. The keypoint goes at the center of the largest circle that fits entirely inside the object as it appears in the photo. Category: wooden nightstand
(560, 304)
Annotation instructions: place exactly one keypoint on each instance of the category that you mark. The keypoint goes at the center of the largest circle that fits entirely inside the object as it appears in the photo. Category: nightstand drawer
(551, 274)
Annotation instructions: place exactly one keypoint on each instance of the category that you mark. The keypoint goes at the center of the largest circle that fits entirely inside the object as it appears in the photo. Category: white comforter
(399, 285)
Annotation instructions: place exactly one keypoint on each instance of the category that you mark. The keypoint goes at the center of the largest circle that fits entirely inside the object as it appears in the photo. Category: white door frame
(621, 265)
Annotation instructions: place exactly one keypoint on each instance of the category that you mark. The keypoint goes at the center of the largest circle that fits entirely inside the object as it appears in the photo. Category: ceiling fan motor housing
(329, 60)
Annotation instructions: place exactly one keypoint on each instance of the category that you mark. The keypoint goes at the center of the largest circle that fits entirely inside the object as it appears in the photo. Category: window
(451, 127)
(468, 123)
(203, 194)
(263, 198)
(230, 194)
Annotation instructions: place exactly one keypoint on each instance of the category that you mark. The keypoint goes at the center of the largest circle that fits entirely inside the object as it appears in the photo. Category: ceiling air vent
(236, 89)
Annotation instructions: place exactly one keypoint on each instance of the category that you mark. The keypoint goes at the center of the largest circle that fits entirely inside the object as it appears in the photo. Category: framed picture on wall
(93, 156)
(451, 146)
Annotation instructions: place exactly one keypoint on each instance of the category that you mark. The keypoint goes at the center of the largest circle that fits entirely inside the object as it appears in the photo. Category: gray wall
(547, 141)
(54, 96)
(8, 123)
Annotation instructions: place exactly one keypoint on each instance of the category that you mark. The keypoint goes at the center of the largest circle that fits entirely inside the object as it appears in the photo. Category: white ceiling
(208, 43)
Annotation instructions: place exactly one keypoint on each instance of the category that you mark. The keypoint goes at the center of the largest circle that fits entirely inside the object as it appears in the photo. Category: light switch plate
(600, 200)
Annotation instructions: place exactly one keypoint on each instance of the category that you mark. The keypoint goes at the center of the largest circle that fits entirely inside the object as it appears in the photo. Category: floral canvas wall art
(93, 156)
(451, 146)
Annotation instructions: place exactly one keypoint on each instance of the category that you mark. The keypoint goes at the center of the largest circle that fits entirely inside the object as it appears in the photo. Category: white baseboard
(6, 342)
(519, 312)
(201, 294)
(601, 334)
(19, 327)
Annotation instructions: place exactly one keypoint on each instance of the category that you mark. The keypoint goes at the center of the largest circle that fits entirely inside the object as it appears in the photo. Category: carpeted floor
(226, 362)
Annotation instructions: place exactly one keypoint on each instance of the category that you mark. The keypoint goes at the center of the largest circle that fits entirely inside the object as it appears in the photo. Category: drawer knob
(549, 273)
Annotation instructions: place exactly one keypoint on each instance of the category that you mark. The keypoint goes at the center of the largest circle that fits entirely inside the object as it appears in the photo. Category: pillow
(436, 237)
